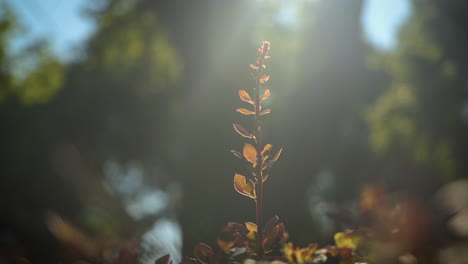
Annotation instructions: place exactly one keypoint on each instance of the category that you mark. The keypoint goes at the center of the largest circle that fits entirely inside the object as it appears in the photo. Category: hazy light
(381, 20)
(164, 238)
(140, 200)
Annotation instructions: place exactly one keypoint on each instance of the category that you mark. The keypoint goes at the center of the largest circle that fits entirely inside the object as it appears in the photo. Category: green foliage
(141, 51)
(42, 77)
(420, 111)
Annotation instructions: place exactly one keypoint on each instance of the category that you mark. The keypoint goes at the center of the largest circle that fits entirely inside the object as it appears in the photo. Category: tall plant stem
(258, 146)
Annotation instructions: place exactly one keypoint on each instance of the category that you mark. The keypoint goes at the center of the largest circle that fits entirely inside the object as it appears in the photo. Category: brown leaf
(251, 244)
(270, 238)
(237, 154)
(163, 260)
(265, 95)
(204, 253)
(264, 112)
(243, 187)
(245, 96)
(281, 237)
(245, 111)
(187, 260)
(250, 153)
(242, 131)
(270, 223)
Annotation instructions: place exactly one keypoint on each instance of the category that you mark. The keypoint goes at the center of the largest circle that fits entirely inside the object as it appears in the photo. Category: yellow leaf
(348, 240)
(265, 112)
(245, 111)
(243, 187)
(307, 253)
(250, 153)
(253, 66)
(251, 226)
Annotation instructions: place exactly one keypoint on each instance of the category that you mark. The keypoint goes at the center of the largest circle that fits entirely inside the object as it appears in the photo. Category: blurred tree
(61, 127)
(419, 123)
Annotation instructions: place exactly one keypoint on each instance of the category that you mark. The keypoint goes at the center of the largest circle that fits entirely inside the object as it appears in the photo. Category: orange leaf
(264, 78)
(245, 111)
(225, 245)
(250, 153)
(242, 131)
(265, 95)
(273, 160)
(265, 112)
(266, 148)
(278, 154)
(253, 66)
(244, 96)
(243, 187)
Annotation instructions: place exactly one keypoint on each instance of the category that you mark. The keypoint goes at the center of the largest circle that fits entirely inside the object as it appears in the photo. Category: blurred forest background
(127, 135)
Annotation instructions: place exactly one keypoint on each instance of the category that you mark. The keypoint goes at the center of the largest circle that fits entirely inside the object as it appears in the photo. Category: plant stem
(259, 186)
